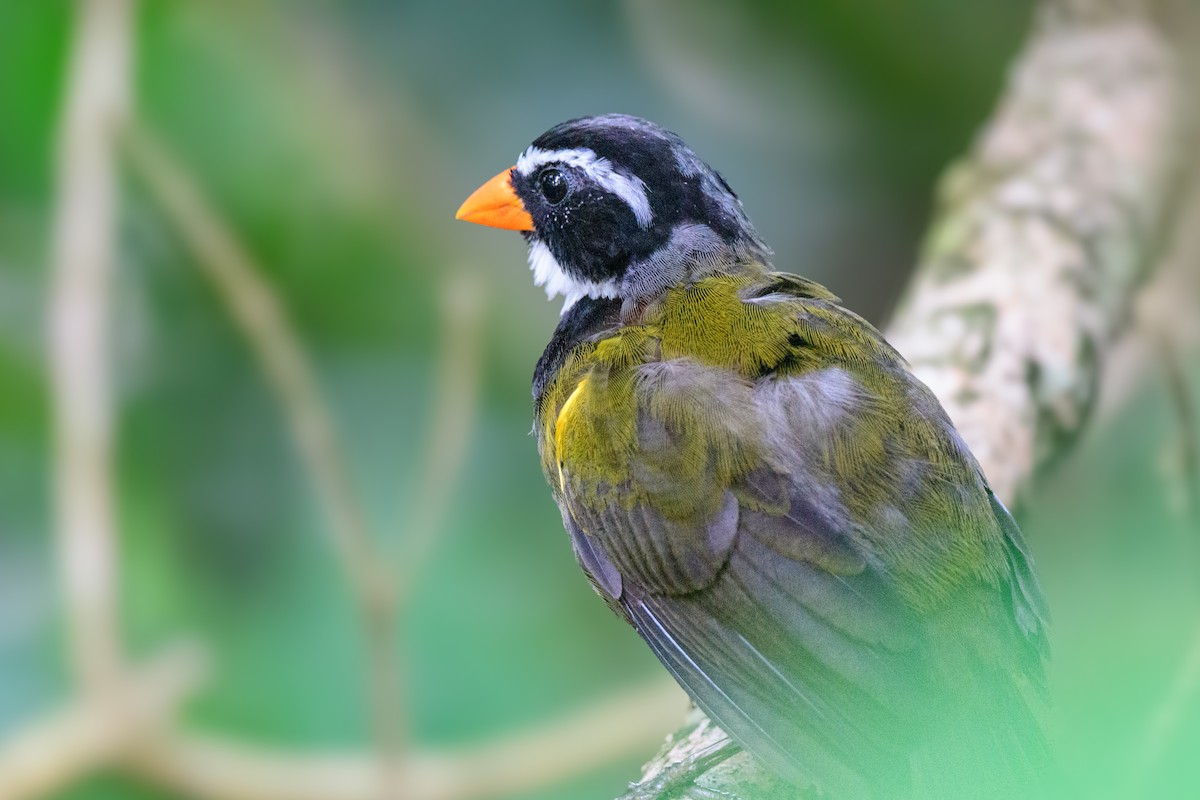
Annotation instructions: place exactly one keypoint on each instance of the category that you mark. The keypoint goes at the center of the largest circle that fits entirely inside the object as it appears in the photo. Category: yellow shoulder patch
(560, 425)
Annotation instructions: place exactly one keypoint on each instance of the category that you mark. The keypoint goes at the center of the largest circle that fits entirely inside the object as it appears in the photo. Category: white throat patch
(629, 188)
(550, 275)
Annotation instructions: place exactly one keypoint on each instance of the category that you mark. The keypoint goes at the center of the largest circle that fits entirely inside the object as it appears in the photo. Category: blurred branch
(211, 768)
(456, 397)
(208, 768)
(1029, 274)
(119, 703)
(1166, 314)
(1047, 230)
(84, 247)
(47, 756)
(127, 715)
(53, 753)
(255, 307)
(366, 123)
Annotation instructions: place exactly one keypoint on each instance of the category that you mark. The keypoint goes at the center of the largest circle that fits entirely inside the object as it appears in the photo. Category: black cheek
(599, 232)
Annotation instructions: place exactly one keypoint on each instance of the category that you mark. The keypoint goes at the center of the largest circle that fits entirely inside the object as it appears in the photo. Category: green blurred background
(336, 140)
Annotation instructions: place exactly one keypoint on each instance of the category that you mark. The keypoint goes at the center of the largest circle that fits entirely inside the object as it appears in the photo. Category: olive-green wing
(789, 631)
(817, 672)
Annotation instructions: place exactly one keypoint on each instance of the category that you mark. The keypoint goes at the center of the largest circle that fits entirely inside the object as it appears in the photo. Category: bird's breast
(671, 433)
(662, 404)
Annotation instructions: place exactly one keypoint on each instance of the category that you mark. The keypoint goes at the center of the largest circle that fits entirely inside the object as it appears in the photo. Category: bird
(754, 480)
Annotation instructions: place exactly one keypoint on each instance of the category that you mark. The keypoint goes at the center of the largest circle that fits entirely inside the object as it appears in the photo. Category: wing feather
(818, 607)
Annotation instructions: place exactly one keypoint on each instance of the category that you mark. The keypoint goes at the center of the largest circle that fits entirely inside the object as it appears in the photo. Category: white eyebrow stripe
(630, 189)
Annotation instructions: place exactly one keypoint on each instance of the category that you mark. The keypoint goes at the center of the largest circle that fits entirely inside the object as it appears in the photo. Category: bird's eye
(554, 185)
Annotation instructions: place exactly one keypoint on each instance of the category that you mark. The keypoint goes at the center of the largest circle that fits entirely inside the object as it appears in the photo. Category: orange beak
(496, 204)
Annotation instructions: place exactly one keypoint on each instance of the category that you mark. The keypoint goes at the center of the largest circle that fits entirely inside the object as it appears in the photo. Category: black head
(620, 207)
